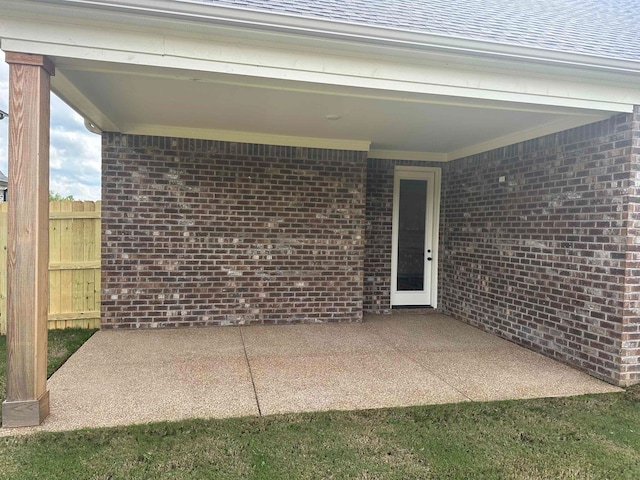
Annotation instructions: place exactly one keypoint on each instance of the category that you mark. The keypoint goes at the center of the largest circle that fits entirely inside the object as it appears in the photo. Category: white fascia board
(199, 54)
(247, 137)
(96, 34)
(195, 11)
(432, 78)
(408, 155)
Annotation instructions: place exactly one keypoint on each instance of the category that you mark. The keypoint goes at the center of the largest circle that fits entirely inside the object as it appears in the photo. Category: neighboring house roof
(608, 28)
(4, 181)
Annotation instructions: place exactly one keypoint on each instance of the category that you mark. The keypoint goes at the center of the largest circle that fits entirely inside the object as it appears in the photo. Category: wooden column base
(27, 413)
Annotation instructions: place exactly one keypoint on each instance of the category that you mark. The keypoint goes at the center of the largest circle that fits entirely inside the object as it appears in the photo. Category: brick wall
(550, 257)
(377, 259)
(211, 233)
(630, 367)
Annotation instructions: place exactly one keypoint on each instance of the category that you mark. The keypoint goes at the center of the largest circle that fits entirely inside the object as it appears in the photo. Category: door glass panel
(411, 234)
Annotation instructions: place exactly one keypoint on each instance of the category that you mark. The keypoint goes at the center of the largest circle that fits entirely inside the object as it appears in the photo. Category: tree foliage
(56, 197)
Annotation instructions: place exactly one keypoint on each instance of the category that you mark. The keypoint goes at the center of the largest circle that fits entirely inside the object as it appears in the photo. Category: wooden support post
(27, 401)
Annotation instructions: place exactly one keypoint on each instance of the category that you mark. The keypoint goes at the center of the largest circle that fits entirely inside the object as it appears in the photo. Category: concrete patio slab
(152, 346)
(508, 372)
(315, 339)
(431, 332)
(121, 395)
(407, 358)
(119, 378)
(345, 382)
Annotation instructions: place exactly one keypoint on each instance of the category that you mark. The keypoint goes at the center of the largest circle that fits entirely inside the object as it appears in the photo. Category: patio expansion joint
(444, 379)
(425, 369)
(253, 383)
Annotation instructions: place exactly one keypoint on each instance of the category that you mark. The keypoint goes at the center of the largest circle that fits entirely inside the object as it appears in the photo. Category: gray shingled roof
(609, 28)
(3, 178)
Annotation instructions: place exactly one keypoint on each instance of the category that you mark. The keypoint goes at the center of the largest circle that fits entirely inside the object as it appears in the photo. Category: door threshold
(411, 307)
(414, 310)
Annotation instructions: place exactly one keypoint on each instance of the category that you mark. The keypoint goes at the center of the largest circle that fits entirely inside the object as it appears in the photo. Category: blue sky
(75, 152)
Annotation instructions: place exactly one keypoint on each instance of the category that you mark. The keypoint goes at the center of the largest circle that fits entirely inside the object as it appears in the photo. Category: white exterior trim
(249, 137)
(163, 38)
(192, 11)
(406, 155)
(197, 40)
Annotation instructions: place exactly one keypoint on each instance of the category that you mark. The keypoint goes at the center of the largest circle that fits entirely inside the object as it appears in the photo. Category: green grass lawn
(589, 437)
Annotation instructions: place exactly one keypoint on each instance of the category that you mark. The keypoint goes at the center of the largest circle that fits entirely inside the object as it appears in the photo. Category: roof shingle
(608, 28)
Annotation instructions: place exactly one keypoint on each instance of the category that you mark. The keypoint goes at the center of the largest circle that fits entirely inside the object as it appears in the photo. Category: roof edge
(194, 11)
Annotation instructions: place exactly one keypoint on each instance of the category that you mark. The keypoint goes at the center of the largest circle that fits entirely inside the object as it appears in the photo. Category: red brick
(200, 232)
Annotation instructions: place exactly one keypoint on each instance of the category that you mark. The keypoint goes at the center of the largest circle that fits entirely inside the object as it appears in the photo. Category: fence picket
(74, 264)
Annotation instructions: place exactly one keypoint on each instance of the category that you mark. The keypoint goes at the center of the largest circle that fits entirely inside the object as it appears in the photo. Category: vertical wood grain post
(27, 402)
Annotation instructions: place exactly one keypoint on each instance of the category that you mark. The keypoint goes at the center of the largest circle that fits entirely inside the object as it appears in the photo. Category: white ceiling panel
(160, 101)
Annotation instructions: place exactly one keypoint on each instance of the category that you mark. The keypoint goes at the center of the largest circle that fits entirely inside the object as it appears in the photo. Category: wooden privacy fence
(74, 265)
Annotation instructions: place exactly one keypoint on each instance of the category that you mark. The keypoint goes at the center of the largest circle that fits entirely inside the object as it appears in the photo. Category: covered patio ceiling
(209, 105)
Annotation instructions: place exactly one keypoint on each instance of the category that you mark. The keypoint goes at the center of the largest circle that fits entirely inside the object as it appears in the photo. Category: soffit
(243, 108)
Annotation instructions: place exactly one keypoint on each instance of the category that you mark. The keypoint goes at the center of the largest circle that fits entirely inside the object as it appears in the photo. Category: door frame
(401, 172)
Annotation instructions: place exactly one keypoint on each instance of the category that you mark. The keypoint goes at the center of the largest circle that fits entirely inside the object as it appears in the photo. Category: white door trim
(433, 176)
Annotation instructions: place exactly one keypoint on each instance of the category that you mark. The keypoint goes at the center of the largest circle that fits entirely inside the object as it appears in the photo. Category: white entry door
(416, 207)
